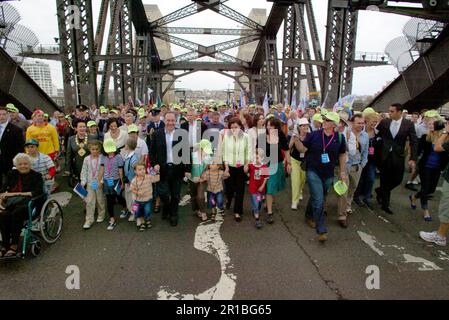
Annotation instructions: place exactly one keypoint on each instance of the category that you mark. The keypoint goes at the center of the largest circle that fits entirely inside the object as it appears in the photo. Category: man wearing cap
(102, 121)
(11, 143)
(45, 134)
(357, 146)
(316, 122)
(42, 164)
(14, 118)
(393, 134)
(155, 124)
(324, 148)
(194, 127)
(92, 130)
(81, 114)
(77, 149)
(223, 112)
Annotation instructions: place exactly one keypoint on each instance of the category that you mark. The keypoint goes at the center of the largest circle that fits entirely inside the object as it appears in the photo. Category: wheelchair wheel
(35, 248)
(51, 221)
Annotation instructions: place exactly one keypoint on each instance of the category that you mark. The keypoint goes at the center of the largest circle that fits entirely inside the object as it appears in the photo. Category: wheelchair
(44, 224)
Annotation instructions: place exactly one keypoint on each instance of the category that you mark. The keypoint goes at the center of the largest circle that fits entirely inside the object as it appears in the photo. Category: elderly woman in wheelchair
(22, 199)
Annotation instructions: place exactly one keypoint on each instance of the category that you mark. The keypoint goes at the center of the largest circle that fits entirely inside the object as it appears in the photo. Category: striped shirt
(42, 163)
(111, 167)
(214, 180)
(142, 188)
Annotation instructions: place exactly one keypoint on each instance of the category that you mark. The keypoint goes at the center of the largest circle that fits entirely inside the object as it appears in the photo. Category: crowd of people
(139, 158)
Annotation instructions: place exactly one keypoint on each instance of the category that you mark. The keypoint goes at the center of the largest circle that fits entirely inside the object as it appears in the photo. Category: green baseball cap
(432, 114)
(206, 146)
(133, 128)
(109, 146)
(317, 117)
(368, 110)
(332, 116)
(11, 108)
(91, 123)
(340, 187)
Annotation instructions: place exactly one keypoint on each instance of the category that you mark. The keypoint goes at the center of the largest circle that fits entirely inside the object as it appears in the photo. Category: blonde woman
(431, 162)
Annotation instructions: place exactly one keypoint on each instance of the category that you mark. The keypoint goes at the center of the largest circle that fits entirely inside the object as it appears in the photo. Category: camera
(439, 125)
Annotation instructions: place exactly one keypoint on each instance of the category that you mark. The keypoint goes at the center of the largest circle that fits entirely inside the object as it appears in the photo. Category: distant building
(40, 73)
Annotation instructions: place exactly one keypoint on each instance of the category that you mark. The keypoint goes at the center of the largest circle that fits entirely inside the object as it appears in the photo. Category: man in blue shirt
(324, 148)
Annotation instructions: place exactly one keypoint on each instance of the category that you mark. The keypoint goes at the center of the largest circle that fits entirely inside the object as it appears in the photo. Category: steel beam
(208, 31)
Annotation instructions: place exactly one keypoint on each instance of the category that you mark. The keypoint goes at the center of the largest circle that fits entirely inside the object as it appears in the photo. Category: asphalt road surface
(230, 260)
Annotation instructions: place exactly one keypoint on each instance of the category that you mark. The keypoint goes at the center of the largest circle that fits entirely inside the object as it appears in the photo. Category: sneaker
(301, 197)
(86, 226)
(259, 224)
(131, 218)
(112, 225)
(142, 227)
(99, 220)
(270, 219)
(123, 214)
(348, 211)
(294, 206)
(433, 237)
(148, 224)
(411, 186)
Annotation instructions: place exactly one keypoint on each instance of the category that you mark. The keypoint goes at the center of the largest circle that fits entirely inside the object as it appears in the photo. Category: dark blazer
(151, 128)
(185, 126)
(11, 144)
(158, 154)
(397, 145)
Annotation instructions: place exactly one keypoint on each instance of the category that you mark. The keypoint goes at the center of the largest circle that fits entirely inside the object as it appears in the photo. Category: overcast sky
(375, 30)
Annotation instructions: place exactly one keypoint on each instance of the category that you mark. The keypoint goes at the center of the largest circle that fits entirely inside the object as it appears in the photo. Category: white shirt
(395, 125)
(169, 143)
(192, 133)
(353, 153)
(2, 129)
(141, 149)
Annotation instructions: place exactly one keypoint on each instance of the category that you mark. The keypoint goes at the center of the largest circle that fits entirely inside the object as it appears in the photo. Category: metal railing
(46, 49)
(371, 56)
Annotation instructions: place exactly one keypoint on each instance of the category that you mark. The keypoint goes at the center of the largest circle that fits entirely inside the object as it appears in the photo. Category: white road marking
(370, 241)
(443, 255)
(383, 219)
(375, 245)
(185, 200)
(425, 264)
(208, 239)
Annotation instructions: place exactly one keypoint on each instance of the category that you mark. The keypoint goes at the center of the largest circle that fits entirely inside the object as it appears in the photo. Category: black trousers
(111, 199)
(391, 176)
(235, 186)
(429, 181)
(11, 224)
(169, 189)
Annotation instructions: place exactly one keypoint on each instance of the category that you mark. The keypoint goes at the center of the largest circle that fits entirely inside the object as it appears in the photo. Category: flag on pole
(265, 104)
(286, 100)
(234, 102)
(138, 102)
(149, 93)
(345, 102)
(159, 102)
(242, 99)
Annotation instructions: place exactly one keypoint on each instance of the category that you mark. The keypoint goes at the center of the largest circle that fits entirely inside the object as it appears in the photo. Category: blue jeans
(318, 188)
(366, 183)
(215, 200)
(256, 205)
(144, 210)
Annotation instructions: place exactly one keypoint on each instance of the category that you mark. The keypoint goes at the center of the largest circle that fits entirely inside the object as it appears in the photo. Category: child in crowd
(89, 179)
(258, 176)
(92, 130)
(130, 160)
(111, 179)
(142, 192)
(214, 176)
(42, 164)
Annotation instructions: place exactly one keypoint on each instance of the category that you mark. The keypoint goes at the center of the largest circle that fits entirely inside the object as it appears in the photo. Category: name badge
(94, 185)
(110, 182)
(371, 151)
(325, 158)
(302, 155)
(259, 197)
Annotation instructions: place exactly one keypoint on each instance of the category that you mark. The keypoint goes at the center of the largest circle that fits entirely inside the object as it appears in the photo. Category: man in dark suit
(155, 124)
(194, 126)
(11, 143)
(172, 165)
(393, 134)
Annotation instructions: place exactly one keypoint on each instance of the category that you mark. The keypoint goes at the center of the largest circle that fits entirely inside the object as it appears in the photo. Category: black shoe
(411, 187)
(359, 202)
(173, 223)
(387, 210)
(368, 204)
